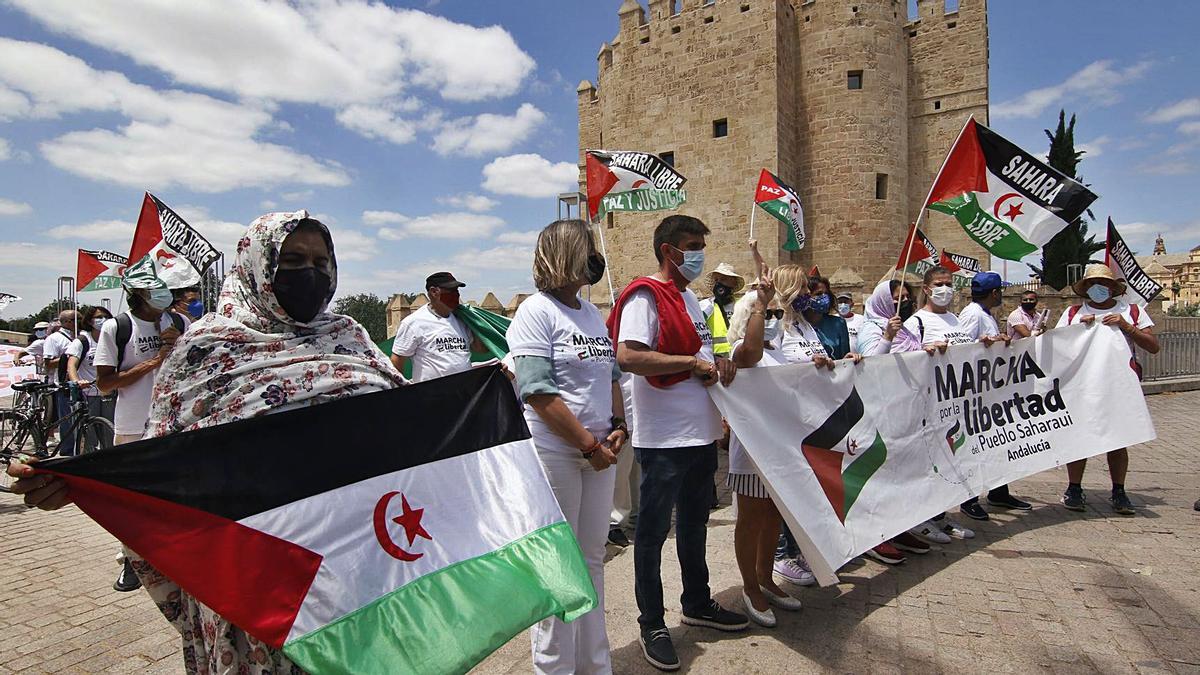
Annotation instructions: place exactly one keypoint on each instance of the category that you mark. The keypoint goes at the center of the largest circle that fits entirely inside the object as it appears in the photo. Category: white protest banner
(11, 371)
(856, 456)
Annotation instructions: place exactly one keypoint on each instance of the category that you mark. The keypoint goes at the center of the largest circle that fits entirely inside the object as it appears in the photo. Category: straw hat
(726, 270)
(1098, 273)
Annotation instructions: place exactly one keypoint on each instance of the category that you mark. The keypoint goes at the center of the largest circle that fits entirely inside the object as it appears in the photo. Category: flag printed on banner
(422, 552)
(780, 200)
(1007, 200)
(1140, 288)
(180, 254)
(623, 180)
(844, 453)
(955, 437)
(98, 270)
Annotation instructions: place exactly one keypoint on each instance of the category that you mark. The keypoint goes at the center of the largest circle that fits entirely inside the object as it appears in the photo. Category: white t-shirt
(681, 415)
(438, 346)
(1122, 308)
(852, 325)
(739, 461)
(581, 357)
(36, 348)
(942, 327)
(133, 401)
(976, 322)
(801, 343)
(87, 365)
(56, 345)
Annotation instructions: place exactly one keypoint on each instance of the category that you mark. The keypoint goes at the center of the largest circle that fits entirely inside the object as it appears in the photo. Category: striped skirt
(747, 485)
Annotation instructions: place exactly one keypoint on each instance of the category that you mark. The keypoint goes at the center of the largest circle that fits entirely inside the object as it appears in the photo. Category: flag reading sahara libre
(98, 270)
(1141, 289)
(857, 456)
(780, 200)
(7, 299)
(180, 254)
(624, 180)
(420, 552)
(1006, 199)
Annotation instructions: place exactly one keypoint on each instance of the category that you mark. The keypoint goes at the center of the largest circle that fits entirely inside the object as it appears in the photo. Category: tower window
(668, 158)
(745, 8)
(937, 105)
(951, 24)
(675, 30)
(854, 79)
(646, 40)
(720, 128)
(912, 33)
(881, 181)
(708, 19)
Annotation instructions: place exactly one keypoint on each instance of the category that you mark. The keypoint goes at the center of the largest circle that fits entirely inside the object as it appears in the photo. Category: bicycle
(25, 433)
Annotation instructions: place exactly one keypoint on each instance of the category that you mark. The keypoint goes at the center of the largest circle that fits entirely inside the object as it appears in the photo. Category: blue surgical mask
(160, 299)
(843, 308)
(1099, 293)
(39, 334)
(196, 309)
(98, 322)
(692, 266)
(801, 303)
(819, 304)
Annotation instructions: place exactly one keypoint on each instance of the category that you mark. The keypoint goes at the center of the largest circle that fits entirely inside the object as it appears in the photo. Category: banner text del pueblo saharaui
(855, 456)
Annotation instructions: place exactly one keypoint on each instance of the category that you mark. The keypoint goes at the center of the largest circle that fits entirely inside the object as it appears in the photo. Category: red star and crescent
(1012, 212)
(851, 446)
(409, 519)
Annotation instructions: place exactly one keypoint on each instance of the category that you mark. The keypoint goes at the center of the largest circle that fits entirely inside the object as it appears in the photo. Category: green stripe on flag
(449, 620)
(646, 199)
(996, 236)
(102, 283)
(860, 471)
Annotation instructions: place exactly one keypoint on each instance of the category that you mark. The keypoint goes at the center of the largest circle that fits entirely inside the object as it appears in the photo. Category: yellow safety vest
(716, 326)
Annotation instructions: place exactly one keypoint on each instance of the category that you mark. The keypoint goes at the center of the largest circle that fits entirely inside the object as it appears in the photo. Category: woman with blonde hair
(798, 340)
(567, 375)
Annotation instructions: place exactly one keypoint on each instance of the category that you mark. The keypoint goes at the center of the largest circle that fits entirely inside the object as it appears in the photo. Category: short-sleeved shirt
(133, 401)
(1122, 308)
(36, 348)
(932, 328)
(681, 415)
(977, 322)
(438, 345)
(739, 461)
(581, 358)
(87, 365)
(1020, 317)
(800, 343)
(853, 324)
(56, 345)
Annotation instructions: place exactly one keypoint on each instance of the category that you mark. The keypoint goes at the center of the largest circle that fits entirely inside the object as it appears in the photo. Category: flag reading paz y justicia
(98, 270)
(1006, 199)
(624, 180)
(435, 540)
(780, 200)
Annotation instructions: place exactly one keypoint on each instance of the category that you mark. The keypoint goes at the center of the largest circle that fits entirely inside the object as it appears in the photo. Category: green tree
(1073, 245)
(367, 309)
(47, 313)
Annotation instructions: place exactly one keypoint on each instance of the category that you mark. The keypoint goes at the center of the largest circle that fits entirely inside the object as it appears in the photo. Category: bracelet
(758, 312)
(587, 454)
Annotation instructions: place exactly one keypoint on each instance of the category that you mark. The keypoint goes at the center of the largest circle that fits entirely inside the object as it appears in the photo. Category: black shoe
(974, 510)
(1121, 504)
(127, 580)
(1010, 502)
(716, 616)
(658, 650)
(1073, 499)
(617, 537)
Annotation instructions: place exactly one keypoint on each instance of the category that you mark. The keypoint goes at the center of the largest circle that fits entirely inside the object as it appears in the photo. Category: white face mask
(771, 330)
(941, 296)
(98, 322)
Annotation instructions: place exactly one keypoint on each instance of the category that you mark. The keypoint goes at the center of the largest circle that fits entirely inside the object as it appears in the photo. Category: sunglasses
(772, 314)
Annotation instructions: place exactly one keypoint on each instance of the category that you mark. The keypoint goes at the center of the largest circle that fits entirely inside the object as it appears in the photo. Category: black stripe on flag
(246, 467)
(834, 429)
(1021, 171)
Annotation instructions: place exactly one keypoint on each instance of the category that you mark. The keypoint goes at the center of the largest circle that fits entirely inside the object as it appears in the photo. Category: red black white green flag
(624, 180)
(419, 545)
(98, 270)
(780, 200)
(1140, 288)
(844, 452)
(1006, 199)
(180, 254)
(917, 247)
(963, 262)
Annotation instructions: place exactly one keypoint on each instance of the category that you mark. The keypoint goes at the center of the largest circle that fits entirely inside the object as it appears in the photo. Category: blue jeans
(62, 402)
(679, 479)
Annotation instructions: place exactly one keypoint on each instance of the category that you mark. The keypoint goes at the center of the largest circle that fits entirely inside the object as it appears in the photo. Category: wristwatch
(619, 423)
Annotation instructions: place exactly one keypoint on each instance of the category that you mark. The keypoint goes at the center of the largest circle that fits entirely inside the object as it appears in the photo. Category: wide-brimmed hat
(1101, 274)
(726, 270)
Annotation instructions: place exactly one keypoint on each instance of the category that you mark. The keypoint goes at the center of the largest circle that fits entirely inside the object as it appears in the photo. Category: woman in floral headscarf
(270, 346)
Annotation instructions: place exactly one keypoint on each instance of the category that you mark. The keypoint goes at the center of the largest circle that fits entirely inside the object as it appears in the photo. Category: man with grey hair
(54, 356)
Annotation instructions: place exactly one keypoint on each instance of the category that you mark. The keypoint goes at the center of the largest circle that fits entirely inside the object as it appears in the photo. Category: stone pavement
(1050, 591)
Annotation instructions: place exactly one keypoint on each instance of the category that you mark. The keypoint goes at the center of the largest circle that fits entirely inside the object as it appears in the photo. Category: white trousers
(625, 494)
(585, 497)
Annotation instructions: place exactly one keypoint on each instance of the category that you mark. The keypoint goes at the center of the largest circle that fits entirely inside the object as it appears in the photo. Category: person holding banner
(568, 378)
(882, 325)
(1101, 291)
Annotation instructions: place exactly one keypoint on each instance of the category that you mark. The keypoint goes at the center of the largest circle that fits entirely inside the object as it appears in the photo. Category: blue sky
(435, 134)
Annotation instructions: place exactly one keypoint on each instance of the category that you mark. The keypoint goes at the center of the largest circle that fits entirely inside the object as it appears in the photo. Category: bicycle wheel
(94, 433)
(15, 433)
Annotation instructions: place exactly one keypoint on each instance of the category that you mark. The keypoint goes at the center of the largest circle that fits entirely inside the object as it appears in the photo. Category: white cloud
(1190, 128)
(352, 245)
(529, 175)
(1097, 83)
(377, 122)
(487, 133)
(5, 150)
(442, 226)
(524, 238)
(508, 257)
(9, 207)
(1188, 107)
(97, 231)
(268, 204)
(383, 218)
(29, 255)
(470, 202)
(297, 196)
(1167, 168)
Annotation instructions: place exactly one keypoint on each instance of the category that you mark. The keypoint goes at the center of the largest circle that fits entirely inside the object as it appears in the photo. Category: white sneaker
(781, 601)
(930, 532)
(794, 572)
(765, 618)
(957, 531)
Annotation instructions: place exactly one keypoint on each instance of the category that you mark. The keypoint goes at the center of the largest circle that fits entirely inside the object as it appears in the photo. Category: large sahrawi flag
(98, 270)
(1140, 288)
(624, 180)
(180, 254)
(1007, 200)
(410, 530)
(857, 456)
(780, 200)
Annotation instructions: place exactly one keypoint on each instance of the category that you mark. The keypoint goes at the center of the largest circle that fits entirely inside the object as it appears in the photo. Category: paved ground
(1049, 591)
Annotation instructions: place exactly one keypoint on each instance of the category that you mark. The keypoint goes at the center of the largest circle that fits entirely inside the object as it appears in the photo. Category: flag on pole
(422, 552)
(1140, 288)
(1006, 199)
(180, 254)
(780, 200)
(7, 299)
(964, 262)
(814, 272)
(622, 180)
(98, 270)
(917, 247)
(946, 261)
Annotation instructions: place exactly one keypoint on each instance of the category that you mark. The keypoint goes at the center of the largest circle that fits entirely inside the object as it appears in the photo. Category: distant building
(1174, 270)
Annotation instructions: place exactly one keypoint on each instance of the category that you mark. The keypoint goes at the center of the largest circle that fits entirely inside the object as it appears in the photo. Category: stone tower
(849, 101)
(1160, 246)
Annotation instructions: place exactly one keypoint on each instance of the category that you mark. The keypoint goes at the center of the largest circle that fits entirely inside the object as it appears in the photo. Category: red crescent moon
(381, 533)
(1000, 202)
(638, 183)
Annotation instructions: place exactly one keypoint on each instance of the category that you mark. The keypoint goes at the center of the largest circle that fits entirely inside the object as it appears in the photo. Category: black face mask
(595, 269)
(722, 292)
(302, 292)
(906, 309)
(1028, 306)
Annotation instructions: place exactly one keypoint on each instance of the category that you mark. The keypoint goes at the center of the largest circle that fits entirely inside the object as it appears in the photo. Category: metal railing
(1179, 353)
